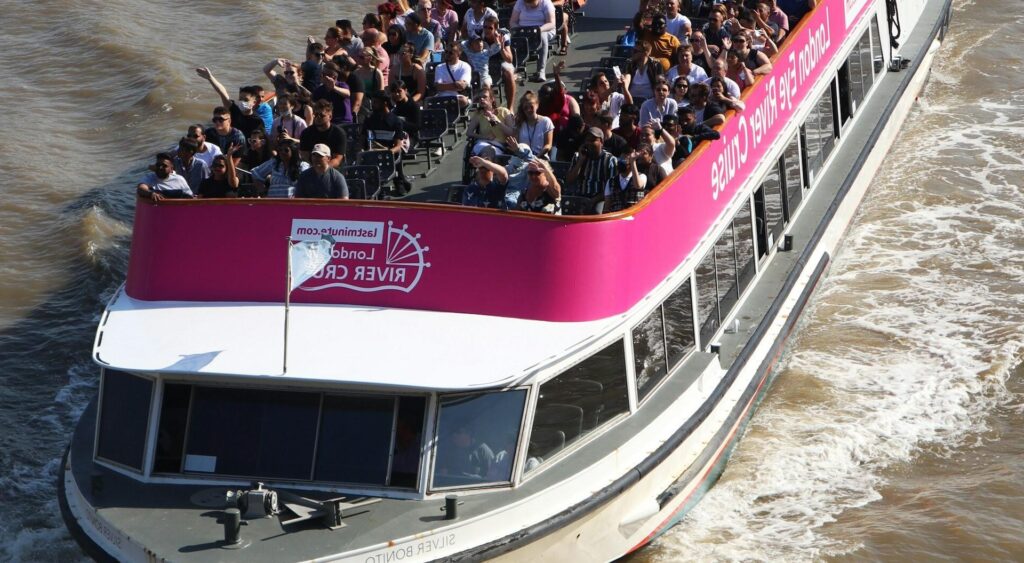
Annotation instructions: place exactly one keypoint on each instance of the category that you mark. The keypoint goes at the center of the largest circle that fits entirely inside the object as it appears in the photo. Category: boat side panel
(465, 260)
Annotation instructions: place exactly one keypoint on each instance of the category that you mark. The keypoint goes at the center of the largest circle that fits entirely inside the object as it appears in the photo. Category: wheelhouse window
(124, 418)
(820, 134)
(743, 229)
(792, 177)
(476, 438)
(577, 402)
(707, 298)
(359, 439)
(649, 358)
(877, 57)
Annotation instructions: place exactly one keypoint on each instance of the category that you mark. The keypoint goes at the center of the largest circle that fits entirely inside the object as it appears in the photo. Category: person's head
(670, 123)
(734, 59)
(329, 74)
(323, 111)
(717, 87)
(718, 68)
(195, 132)
(605, 120)
(741, 43)
(680, 88)
(672, 8)
(685, 56)
(187, 148)
(475, 44)
(423, 10)
(484, 174)
(532, 3)
(600, 84)
(285, 104)
(477, 5)
(527, 108)
(247, 100)
(381, 102)
(490, 28)
(369, 58)
(398, 91)
(164, 165)
(332, 38)
(661, 90)
(746, 18)
(593, 142)
(292, 73)
(345, 63)
(483, 101)
(452, 53)
(372, 38)
(644, 155)
(257, 140)
(715, 19)
(658, 24)
(219, 166)
(629, 114)
(408, 54)
(699, 94)
(396, 35)
(321, 157)
(576, 123)
(413, 23)
(462, 437)
(315, 51)
(535, 173)
(222, 120)
(687, 116)
(345, 26)
(287, 151)
(764, 9)
(648, 134)
(371, 21)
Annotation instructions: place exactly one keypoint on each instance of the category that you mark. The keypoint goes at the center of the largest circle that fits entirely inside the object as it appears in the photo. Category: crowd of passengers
(610, 143)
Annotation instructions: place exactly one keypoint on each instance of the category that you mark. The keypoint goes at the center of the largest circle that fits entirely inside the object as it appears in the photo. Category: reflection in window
(793, 182)
(826, 124)
(649, 353)
(355, 439)
(773, 206)
(725, 266)
(856, 86)
(124, 417)
(679, 324)
(744, 231)
(405, 464)
(578, 401)
(252, 433)
(707, 298)
(477, 437)
(170, 443)
(877, 59)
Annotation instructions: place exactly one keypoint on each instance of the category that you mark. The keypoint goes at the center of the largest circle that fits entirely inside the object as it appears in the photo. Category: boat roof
(356, 345)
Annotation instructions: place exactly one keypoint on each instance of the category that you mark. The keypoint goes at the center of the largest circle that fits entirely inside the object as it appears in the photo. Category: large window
(820, 133)
(743, 229)
(679, 323)
(725, 268)
(252, 433)
(877, 58)
(360, 439)
(124, 418)
(476, 438)
(650, 363)
(707, 299)
(577, 402)
(792, 177)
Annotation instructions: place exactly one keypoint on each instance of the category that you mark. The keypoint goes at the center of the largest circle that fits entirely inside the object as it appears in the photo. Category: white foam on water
(907, 345)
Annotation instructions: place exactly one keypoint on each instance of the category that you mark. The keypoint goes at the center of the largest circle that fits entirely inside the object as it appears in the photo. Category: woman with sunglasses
(258, 151)
(223, 179)
(411, 73)
(680, 92)
(288, 124)
(543, 193)
(277, 176)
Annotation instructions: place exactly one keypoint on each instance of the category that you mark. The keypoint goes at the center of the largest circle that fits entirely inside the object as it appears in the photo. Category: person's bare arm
(146, 191)
(574, 171)
(500, 173)
(204, 72)
(232, 174)
(268, 69)
(764, 64)
(549, 22)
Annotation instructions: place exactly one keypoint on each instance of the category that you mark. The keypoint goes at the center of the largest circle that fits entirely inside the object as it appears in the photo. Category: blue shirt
(422, 41)
(266, 114)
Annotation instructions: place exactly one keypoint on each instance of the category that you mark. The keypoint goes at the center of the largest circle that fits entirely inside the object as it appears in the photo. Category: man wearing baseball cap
(591, 167)
(321, 180)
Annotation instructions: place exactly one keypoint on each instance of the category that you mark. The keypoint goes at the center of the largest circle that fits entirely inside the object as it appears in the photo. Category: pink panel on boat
(449, 259)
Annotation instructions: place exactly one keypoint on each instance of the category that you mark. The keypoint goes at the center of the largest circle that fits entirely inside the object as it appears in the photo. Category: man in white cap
(321, 180)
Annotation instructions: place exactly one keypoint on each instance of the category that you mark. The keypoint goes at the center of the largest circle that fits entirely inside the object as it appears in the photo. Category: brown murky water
(896, 429)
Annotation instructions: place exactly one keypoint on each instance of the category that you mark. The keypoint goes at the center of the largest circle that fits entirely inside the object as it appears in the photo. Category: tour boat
(469, 384)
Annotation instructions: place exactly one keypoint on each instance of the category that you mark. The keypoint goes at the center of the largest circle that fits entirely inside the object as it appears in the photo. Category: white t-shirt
(445, 73)
(533, 135)
(651, 110)
(623, 183)
(212, 151)
(662, 158)
(640, 85)
(696, 74)
(534, 17)
(475, 26)
(614, 105)
(677, 26)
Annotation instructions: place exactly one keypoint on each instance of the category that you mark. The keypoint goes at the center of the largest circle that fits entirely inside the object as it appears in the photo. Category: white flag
(307, 258)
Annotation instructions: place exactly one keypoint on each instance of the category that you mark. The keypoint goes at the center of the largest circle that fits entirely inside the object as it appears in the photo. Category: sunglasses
(534, 173)
(219, 119)
(220, 165)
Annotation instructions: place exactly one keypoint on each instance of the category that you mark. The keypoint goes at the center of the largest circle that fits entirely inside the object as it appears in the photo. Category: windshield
(476, 438)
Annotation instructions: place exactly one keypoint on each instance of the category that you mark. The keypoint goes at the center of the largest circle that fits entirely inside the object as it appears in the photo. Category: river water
(896, 425)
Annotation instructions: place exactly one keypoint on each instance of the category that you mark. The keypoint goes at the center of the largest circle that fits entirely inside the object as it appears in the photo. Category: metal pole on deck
(287, 302)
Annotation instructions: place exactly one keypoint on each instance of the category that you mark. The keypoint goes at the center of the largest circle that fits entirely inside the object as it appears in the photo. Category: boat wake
(907, 349)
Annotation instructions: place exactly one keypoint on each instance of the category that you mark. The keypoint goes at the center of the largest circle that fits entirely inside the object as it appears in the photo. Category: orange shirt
(663, 47)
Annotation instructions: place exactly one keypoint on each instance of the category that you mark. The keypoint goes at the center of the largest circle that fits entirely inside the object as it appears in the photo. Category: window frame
(148, 421)
(640, 399)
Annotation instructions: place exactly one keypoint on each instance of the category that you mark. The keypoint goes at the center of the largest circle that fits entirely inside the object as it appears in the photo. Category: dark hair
(686, 109)
(330, 68)
(631, 109)
(323, 105)
(315, 47)
(221, 110)
(164, 156)
(395, 48)
(396, 85)
(199, 126)
(372, 19)
(188, 144)
(292, 165)
(219, 158)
